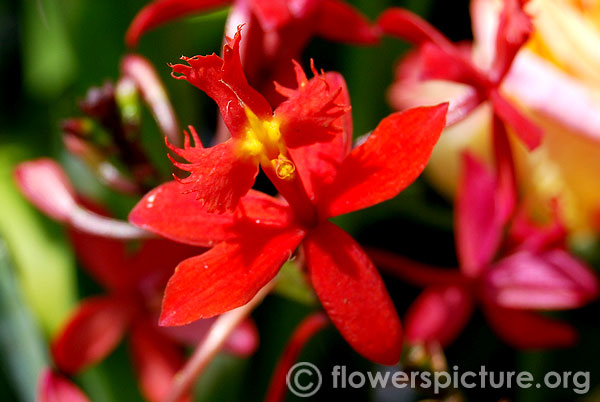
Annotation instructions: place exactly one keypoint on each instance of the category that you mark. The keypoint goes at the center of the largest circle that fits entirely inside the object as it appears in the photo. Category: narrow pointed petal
(160, 12)
(93, 331)
(46, 185)
(227, 276)
(53, 387)
(318, 163)
(171, 213)
(338, 21)
(529, 330)
(438, 315)
(156, 359)
(408, 26)
(506, 177)
(353, 294)
(225, 82)
(218, 177)
(529, 133)
(393, 156)
(313, 111)
(550, 280)
(477, 225)
(414, 272)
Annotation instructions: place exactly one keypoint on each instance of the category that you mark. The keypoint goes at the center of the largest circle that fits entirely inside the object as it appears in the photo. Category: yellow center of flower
(262, 141)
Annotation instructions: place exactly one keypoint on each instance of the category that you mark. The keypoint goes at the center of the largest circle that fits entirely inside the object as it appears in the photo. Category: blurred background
(53, 51)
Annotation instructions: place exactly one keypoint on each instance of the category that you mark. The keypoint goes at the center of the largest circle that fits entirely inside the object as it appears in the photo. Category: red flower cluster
(304, 148)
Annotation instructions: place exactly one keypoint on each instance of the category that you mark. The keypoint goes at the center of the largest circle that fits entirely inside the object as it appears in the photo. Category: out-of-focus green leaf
(292, 284)
(222, 381)
(22, 352)
(49, 62)
(44, 265)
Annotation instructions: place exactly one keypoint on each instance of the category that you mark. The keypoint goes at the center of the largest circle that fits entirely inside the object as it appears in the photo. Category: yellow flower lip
(264, 143)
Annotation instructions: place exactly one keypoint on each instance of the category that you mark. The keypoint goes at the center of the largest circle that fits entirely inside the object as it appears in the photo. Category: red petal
(338, 21)
(412, 28)
(302, 334)
(313, 112)
(439, 314)
(353, 294)
(45, 185)
(528, 132)
(53, 387)
(177, 216)
(527, 330)
(439, 64)
(92, 332)
(318, 163)
(477, 225)
(162, 11)
(551, 280)
(227, 276)
(225, 82)
(157, 361)
(393, 156)
(218, 176)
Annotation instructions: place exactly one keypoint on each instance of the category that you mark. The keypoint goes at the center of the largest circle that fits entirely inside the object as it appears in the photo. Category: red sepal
(157, 361)
(312, 112)
(225, 82)
(353, 294)
(218, 176)
(162, 11)
(439, 314)
(529, 330)
(227, 276)
(393, 156)
(53, 387)
(169, 212)
(93, 331)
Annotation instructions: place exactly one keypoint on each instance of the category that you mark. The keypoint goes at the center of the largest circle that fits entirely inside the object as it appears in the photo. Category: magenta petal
(551, 280)
(528, 132)
(53, 387)
(477, 224)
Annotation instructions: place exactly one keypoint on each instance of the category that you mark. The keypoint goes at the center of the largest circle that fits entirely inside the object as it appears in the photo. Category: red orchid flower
(322, 178)
(438, 58)
(534, 273)
(134, 283)
(277, 31)
(53, 387)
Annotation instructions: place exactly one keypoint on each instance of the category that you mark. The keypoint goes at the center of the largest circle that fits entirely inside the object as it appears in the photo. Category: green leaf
(292, 284)
(44, 265)
(22, 349)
